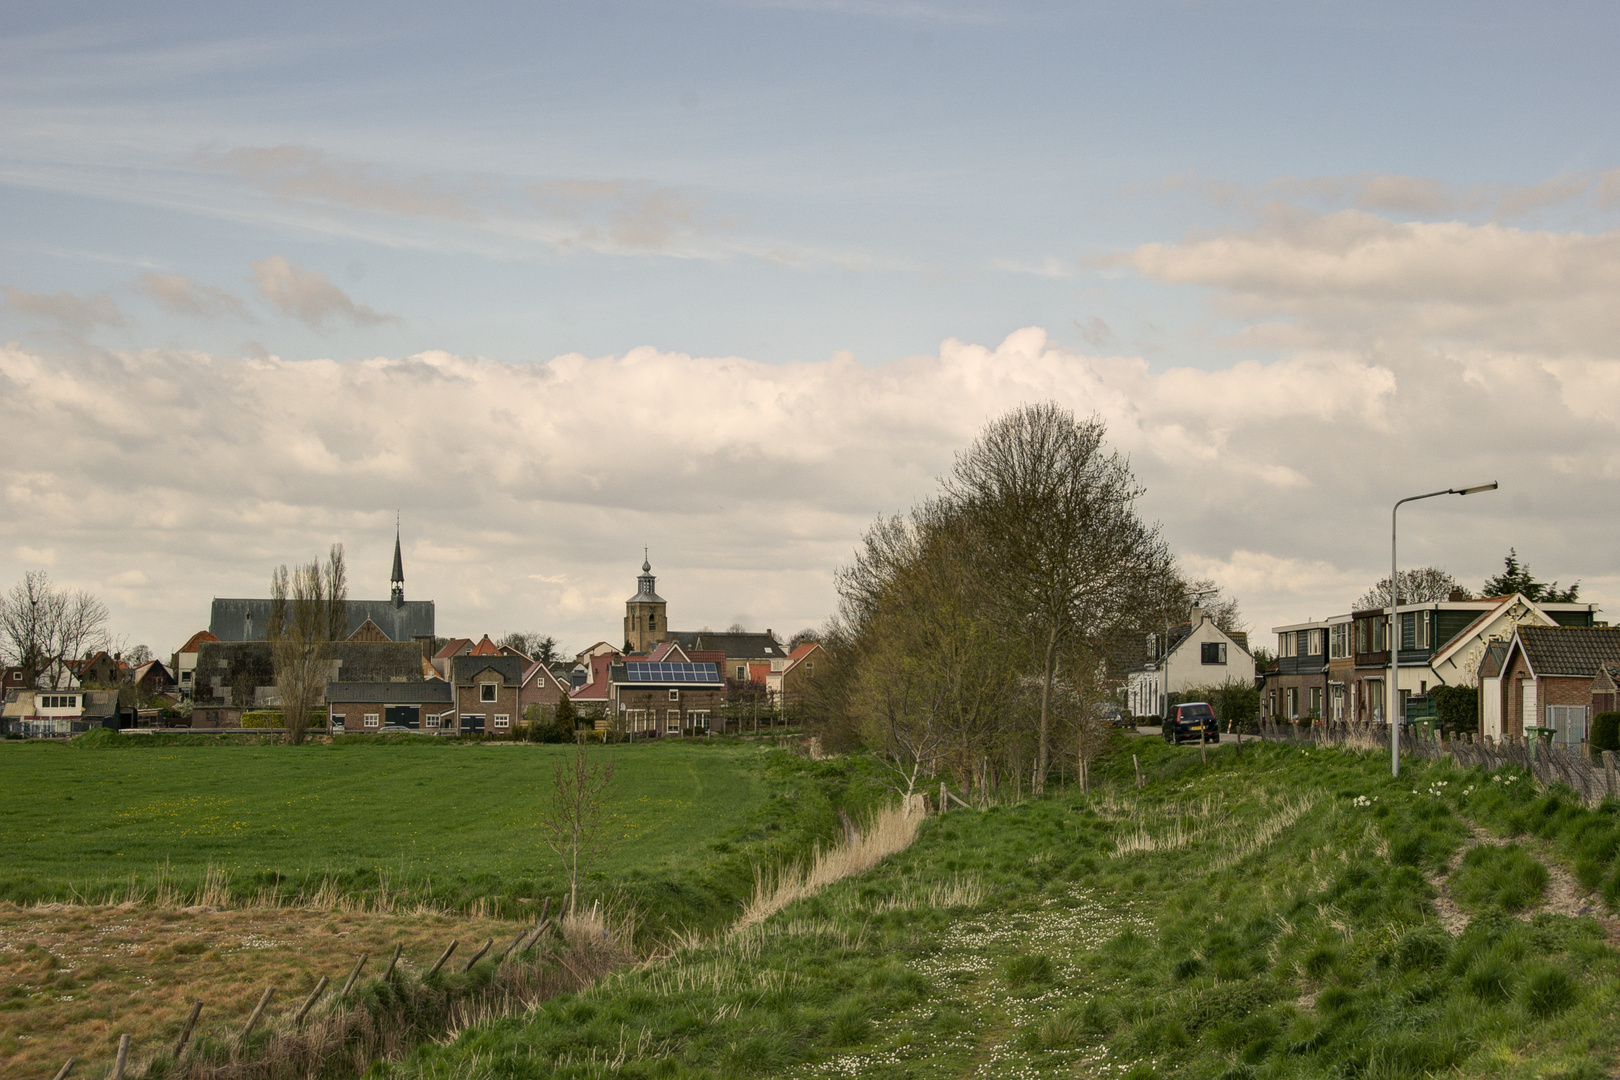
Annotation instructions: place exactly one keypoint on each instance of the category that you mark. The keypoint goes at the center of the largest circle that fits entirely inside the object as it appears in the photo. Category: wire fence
(1591, 774)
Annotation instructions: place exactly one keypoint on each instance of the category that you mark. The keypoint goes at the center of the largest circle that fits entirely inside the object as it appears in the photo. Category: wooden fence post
(439, 963)
(258, 1011)
(122, 1059)
(353, 975)
(1609, 778)
(309, 1002)
(67, 1067)
(477, 956)
(1138, 767)
(185, 1032)
(944, 804)
(390, 972)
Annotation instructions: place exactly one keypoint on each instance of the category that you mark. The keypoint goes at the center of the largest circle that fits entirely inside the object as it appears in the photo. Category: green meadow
(1276, 914)
(451, 825)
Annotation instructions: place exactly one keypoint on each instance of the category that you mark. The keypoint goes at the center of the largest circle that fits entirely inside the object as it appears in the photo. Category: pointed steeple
(396, 581)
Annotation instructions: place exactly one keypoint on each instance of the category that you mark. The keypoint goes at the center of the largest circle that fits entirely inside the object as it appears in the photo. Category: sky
(552, 283)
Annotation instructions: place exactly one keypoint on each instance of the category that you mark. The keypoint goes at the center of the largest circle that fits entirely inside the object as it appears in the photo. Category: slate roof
(1570, 650)
(735, 646)
(228, 620)
(434, 692)
(465, 668)
(240, 667)
(1490, 665)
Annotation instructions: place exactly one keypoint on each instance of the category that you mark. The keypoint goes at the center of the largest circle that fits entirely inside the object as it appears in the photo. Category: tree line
(979, 636)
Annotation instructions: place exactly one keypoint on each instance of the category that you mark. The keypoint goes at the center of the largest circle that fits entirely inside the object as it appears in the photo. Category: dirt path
(1564, 895)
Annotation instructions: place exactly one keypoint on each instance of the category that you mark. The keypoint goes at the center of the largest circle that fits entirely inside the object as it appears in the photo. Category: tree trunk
(1046, 705)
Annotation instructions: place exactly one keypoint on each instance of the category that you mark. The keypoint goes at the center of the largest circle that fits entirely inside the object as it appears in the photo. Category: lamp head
(1477, 487)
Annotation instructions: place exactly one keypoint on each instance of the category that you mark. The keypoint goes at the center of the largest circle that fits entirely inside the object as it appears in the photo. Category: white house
(1199, 655)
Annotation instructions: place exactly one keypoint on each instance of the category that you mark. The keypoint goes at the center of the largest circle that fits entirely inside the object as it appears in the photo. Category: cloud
(305, 173)
(626, 214)
(1390, 193)
(72, 313)
(528, 490)
(178, 294)
(309, 297)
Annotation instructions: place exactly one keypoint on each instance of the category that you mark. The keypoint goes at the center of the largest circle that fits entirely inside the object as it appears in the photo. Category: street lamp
(1394, 696)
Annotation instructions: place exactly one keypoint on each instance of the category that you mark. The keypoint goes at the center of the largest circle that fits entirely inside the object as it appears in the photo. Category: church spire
(396, 581)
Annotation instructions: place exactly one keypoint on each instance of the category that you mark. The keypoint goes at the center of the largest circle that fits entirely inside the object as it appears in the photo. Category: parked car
(1193, 721)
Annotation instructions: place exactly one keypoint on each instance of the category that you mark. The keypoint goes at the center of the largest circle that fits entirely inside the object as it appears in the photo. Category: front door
(402, 715)
(1527, 715)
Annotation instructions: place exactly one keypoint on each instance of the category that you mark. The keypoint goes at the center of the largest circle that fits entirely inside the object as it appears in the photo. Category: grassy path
(1266, 915)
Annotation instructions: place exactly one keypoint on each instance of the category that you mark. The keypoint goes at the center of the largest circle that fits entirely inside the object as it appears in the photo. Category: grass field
(447, 824)
(1272, 915)
(303, 834)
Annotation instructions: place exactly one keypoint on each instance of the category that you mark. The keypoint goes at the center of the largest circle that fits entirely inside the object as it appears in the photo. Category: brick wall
(469, 700)
(650, 699)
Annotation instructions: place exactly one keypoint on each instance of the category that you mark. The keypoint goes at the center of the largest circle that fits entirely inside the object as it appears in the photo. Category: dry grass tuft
(890, 831)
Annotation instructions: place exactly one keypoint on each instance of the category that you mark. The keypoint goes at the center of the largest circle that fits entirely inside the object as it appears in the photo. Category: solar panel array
(647, 671)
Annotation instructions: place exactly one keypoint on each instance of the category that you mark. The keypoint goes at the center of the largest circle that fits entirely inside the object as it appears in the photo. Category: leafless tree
(1204, 597)
(1060, 550)
(42, 627)
(307, 604)
(1419, 585)
(571, 823)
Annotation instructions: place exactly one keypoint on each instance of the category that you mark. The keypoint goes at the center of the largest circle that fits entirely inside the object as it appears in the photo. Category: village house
(665, 698)
(183, 665)
(1198, 655)
(1547, 678)
(1298, 686)
(485, 694)
(374, 707)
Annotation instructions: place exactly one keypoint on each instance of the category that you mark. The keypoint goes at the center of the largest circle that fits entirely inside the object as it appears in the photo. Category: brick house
(1296, 686)
(369, 708)
(183, 665)
(1198, 655)
(665, 698)
(540, 686)
(740, 649)
(485, 694)
(1547, 678)
(241, 674)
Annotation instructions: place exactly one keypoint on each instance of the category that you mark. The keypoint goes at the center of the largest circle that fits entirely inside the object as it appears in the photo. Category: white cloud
(529, 490)
(67, 311)
(309, 296)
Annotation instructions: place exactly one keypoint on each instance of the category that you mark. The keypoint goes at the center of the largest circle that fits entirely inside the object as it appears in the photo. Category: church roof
(234, 619)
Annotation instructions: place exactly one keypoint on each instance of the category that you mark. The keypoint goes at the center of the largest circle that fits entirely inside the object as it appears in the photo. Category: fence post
(1138, 767)
(1610, 781)
(185, 1032)
(439, 963)
(353, 975)
(477, 956)
(258, 1011)
(943, 805)
(67, 1067)
(398, 945)
(309, 1002)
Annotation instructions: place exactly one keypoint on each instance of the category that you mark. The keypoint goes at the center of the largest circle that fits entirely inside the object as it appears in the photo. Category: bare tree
(1419, 585)
(571, 823)
(1060, 550)
(43, 627)
(307, 605)
(1204, 597)
(137, 655)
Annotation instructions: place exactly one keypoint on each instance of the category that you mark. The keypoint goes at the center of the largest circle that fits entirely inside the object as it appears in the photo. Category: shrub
(1606, 731)
(1456, 707)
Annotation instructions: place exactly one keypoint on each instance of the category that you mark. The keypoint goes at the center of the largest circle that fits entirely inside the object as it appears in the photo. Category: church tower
(644, 622)
(396, 580)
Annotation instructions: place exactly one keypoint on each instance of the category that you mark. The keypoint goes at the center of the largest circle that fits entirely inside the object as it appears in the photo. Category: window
(185, 676)
(652, 622)
(673, 722)
(486, 691)
(337, 719)
(1316, 701)
(674, 695)
(1213, 652)
(1292, 695)
(809, 669)
(636, 719)
(699, 721)
(1341, 640)
(503, 720)
(742, 672)
(432, 721)
(372, 720)
(1285, 645)
(1409, 630)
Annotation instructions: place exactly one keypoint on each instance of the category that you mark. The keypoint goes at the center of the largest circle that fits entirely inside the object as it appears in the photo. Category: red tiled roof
(452, 648)
(197, 639)
(485, 647)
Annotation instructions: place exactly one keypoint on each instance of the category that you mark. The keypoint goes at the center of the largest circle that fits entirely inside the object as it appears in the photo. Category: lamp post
(1394, 642)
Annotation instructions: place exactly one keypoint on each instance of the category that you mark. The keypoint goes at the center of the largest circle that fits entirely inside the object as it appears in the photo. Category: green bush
(1456, 708)
(1606, 731)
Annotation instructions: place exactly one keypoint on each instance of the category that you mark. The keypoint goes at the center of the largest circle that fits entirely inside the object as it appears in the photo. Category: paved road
(1157, 734)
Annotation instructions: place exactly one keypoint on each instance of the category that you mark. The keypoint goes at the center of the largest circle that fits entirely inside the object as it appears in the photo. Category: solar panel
(670, 672)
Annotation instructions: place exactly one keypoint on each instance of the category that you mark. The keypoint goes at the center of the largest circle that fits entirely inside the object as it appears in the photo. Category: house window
(503, 720)
(699, 721)
(742, 673)
(372, 720)
(1341, 640)
(185, 676)
(673, 722)
(637, 719)
(1316, 701)
(432, 721)
(1292, 696)
(674, 695)
(1213, 652)
(809, 669)
(486, 691)
(1285, 644)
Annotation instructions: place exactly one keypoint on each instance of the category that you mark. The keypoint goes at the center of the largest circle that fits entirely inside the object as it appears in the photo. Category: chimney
(1457, 596)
